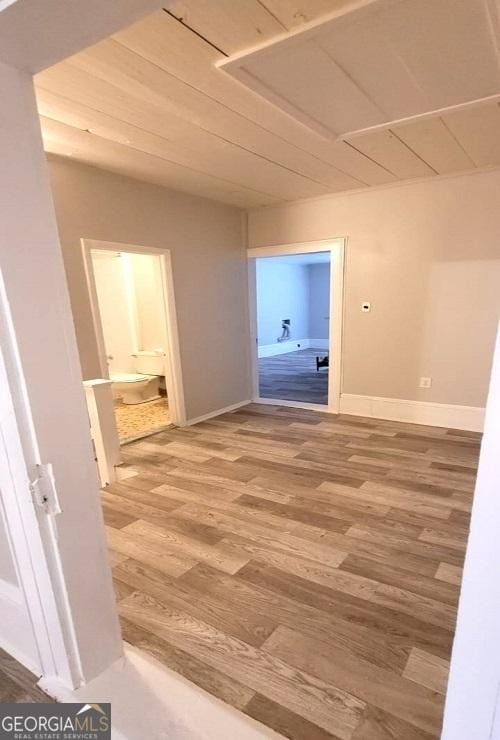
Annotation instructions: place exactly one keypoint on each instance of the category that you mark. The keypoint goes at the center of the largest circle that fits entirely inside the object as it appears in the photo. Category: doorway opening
(129, 289)
(296, 297)
(293, 318)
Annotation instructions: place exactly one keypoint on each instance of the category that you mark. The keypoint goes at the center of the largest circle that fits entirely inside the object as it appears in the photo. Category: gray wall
(427, 256)
(209, 268)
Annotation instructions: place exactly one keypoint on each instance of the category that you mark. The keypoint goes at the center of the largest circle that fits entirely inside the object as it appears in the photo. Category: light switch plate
(366, 307)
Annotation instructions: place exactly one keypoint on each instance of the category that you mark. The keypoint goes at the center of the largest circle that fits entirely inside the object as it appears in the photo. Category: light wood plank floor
(302, 567)
(17, 684)
(293, 377)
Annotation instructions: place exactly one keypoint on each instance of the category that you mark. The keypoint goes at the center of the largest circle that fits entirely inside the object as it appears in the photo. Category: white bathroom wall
(114, 310)
(319, 300)
(151, 326)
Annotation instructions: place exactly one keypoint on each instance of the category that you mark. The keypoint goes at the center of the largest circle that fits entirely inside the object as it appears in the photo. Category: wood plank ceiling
(151, 103)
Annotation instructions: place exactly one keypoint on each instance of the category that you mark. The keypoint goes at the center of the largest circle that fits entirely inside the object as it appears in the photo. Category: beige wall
(208, 265)
(427, 256)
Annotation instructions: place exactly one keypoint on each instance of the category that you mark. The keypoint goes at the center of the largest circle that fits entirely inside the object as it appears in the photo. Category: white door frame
(336, 247)
(173, 368)
(31, 529)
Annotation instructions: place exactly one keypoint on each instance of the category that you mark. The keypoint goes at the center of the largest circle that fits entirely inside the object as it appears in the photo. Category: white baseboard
(150, 700)
(469, 418)
(319, 343)
(217, 412)
(294, 404)
(281, 348)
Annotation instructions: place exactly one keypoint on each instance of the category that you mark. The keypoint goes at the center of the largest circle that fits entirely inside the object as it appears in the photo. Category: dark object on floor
(321, 362)
(292, 376)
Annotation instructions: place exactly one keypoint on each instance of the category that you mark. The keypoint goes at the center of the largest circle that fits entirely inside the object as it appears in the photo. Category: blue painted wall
(298, 292)
(282, 293)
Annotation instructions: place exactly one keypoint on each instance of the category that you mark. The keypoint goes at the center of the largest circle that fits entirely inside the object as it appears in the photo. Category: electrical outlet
(425, 383)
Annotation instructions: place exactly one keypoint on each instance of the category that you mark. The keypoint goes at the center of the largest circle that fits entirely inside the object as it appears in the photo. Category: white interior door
(17, 636)
(21, 611)
(114, 311)
(34, 620)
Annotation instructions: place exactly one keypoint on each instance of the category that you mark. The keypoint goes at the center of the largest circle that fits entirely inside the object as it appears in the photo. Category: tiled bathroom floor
(141, 419)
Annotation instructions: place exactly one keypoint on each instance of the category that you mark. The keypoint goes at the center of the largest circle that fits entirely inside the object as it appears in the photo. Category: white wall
(34, 36)
(148, 295)
(282, 293)
(319, 300)
(427, 256)
(474, 685)
(131, 306)
(7, 569)
(114, 311)
(32, 269)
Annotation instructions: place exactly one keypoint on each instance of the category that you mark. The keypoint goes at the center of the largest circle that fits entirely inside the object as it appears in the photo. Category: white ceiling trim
(356, 8)
(470, 105)
(365, 69)
(235, 65)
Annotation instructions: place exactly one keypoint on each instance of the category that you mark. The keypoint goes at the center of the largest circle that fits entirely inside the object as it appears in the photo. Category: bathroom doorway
(131, 291)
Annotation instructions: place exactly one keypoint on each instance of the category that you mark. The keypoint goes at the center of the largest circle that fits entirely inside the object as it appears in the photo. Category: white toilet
(144, 384)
